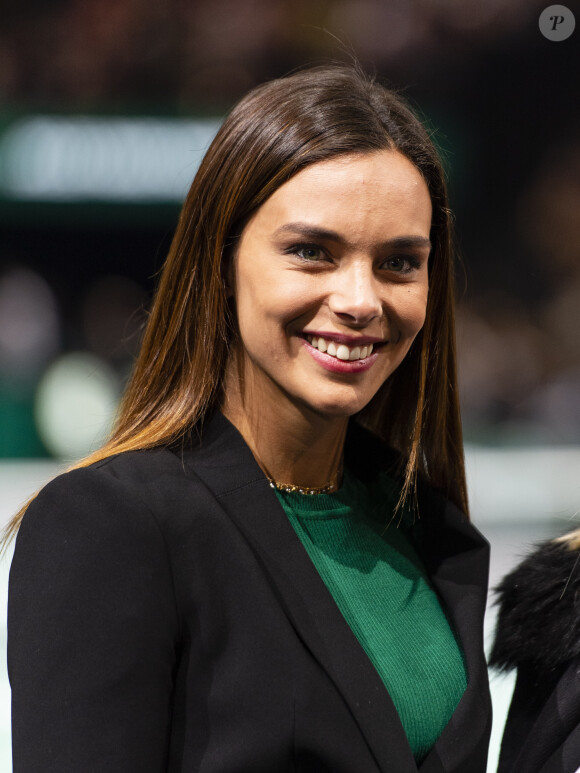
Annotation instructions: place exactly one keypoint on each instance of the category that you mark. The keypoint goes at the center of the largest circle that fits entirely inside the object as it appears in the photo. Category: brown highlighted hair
(276, 130)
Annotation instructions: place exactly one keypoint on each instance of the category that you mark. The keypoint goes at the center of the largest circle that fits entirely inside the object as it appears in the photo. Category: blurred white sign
(56, 158)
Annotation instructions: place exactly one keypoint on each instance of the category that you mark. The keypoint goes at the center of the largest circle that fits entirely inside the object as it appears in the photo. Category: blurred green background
(106, 108)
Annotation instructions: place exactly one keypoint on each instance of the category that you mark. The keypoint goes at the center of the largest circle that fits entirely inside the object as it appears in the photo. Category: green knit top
(382, 590)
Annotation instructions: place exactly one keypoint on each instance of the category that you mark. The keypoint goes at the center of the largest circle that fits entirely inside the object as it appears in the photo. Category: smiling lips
(338, 350)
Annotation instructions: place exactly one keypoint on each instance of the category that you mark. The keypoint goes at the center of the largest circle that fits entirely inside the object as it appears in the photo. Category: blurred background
(106, 108)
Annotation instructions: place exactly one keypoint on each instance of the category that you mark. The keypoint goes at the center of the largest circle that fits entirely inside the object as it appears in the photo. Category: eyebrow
(315, 232)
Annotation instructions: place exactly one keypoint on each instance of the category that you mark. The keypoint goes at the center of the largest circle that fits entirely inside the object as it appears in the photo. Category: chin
(337, 407)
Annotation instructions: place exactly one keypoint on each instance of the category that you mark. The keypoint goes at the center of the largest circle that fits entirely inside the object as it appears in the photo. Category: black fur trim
(539, 610)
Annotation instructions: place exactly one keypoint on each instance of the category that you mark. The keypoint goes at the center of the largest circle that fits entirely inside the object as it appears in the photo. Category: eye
(309, 252)
(401, 264)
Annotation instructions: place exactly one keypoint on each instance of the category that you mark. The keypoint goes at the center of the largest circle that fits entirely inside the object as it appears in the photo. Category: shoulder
(367, 454)
(129, 475)
(166, 489)
(433, 522)
(538, 620)
(134, 497)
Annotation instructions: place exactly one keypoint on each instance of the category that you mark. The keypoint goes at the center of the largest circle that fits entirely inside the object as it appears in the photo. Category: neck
(291, 443)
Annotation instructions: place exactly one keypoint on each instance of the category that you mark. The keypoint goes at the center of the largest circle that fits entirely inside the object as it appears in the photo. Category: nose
(354, 297)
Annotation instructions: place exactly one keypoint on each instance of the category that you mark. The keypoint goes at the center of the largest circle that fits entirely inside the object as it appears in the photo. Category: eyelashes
(311, 253)
(405, 264)
(315, 254)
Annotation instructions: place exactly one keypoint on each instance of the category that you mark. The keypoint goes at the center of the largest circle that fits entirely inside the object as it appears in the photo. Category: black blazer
(164, 616)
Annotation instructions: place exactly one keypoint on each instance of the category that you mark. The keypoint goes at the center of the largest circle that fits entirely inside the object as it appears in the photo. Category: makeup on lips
(342, 354)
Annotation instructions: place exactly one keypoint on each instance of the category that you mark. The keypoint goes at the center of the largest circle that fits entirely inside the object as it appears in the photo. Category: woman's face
(330, 283)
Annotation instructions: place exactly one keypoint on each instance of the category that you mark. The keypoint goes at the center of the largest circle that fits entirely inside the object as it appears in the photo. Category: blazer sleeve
(93, 631)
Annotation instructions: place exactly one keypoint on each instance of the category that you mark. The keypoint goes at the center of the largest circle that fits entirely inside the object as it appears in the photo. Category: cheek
(275, 301)
(263, 312)
(412, 311)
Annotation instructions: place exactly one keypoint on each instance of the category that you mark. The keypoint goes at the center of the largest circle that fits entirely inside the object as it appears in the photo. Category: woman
(538, 633)
(269, 567)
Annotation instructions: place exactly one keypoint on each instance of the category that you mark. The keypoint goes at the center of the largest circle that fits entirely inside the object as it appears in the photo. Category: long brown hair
(272, 133)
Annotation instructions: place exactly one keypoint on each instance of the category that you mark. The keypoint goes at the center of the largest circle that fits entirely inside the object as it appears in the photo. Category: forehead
(382, 189)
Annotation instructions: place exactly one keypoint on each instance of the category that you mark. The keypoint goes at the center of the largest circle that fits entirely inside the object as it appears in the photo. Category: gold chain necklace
(329, 488)
(291, 488)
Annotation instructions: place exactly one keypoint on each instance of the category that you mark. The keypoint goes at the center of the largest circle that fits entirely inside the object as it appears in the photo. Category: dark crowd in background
(76, 276)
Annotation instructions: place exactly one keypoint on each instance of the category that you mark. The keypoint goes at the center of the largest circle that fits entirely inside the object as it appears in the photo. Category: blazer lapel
(229, 469)
(457, 559)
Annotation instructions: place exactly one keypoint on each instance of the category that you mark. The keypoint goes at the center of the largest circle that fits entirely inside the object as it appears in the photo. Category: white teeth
(341, 351)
